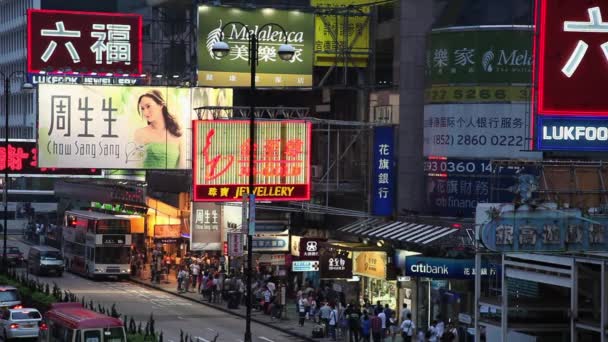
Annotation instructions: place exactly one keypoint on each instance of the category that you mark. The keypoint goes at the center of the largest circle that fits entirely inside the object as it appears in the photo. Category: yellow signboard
(335, 29)
(370, 264)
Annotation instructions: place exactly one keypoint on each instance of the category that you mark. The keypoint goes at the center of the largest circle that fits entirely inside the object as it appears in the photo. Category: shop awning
(401, 231)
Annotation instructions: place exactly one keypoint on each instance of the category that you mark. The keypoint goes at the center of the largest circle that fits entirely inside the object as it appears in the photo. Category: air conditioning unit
(316, 171)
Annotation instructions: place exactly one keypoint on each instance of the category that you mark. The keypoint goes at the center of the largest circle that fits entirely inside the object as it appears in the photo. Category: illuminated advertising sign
(84, 42)
(335, 265)
(221, 160)
(23, 161)
(234, 69)
(383, 183)
(370, 264)
(118, 127)
(330, 33)
(572, 55)
(305, 266)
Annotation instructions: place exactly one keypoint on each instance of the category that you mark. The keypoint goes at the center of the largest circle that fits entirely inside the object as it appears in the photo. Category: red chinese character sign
(572, 67)
(281, 162)
(84, 41)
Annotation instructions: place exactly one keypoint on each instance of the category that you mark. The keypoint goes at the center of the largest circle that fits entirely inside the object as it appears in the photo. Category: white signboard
(479, 130)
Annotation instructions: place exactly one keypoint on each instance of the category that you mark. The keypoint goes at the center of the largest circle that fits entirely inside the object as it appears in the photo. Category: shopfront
(336, 272)
(305, 248)
(371, 267)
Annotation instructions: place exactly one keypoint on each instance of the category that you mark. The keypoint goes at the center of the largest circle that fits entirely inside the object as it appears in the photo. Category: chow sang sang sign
(84, 41)
(572, 59)
(281, 162)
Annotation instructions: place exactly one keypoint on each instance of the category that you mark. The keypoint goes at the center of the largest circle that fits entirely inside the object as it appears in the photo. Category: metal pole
(5, 235)
(253, 54)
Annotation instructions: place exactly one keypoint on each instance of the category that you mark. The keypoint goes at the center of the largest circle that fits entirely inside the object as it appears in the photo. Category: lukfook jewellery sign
(234, 69)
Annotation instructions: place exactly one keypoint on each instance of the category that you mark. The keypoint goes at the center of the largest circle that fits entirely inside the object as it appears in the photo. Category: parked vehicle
(21, 323)
(45, 260)
(13, 255)
(9, 297)
(70, 322)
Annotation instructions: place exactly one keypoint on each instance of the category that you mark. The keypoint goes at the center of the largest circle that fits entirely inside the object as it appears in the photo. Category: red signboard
(572, 55)
(221, 160)
(22, 160)
(84, 42)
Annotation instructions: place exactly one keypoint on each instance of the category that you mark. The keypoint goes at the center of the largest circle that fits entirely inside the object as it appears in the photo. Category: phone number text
(477, 140)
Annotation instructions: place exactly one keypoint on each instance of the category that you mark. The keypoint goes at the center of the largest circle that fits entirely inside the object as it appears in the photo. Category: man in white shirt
(440, 327)
(407, 328)
(404, 312)
(382, 317)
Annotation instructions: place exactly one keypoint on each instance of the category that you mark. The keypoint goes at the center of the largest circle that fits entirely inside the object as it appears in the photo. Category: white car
(20, 323)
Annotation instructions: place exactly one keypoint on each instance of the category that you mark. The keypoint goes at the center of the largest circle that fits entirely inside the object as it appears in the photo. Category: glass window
(51, 255)
(112, 255)
(92, 336)
(9, 296)
(113, 227)
(116, 335)
(26, 315)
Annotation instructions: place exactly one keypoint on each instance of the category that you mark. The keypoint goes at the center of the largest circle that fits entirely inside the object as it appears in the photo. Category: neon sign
(102, 42)
(23, 160)
(281, 162)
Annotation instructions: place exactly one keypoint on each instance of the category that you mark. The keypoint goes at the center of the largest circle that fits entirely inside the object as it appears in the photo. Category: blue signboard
(305, 266)
(443, 268)
(383, 188)
(544, 231)
(572, 133)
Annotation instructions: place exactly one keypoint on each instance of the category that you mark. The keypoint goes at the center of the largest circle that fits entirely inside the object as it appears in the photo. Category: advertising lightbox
(84, 41)
(234, 69)
(118, 127)
(221, 160)
(572, 59)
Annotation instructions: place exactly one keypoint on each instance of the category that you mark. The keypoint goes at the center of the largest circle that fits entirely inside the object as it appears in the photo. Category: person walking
(366, 327)
(354, 322)
(376, 328)
(301, 310)
(382, 316)
(333, 322)
(407, 328)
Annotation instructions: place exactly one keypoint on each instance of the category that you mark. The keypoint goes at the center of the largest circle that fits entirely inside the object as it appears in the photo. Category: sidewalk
(287, 324)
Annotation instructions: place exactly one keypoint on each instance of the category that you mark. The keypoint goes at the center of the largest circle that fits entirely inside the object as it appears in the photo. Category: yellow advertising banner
(334, 29)
(370, 264)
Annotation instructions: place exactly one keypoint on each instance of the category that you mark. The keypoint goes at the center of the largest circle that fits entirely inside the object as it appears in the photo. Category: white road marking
(265, 339)
(201, 339)
(210, 329)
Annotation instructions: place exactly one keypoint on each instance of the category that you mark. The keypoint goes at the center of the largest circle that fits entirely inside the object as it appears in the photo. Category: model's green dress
(160, 155)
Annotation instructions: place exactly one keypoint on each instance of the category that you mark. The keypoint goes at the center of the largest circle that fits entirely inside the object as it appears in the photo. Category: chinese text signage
(305, 266)
(235, 244)
(84, 41)
(116, 127)
(234, 69)
(309, 248)
(205, 230)
(281, 160)
(443, 268)
(370, 264)
(572, 55)
(333, 265)
(383, 171)
(22, 160)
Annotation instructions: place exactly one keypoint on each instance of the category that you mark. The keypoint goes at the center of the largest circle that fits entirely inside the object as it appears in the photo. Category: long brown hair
(170, 123)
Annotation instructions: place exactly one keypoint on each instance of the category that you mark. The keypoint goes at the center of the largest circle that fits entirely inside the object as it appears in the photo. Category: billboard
(23, 161)
(481, 130)
(572, 55)
(84, 42)
(370, 264)
(383, 171)
(221, 160)
(234, 69)
(330, 33)
(205, 227)
(118, 127)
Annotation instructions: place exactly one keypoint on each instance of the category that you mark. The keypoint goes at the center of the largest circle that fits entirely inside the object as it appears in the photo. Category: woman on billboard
(162, 137)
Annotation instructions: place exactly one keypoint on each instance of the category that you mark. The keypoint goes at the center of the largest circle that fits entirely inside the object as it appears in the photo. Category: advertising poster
(570, 102)
(118, 127)
(234, 70)
(205, 227)
(84, 42)
(330, 33)
(281, 160)
(480, 130)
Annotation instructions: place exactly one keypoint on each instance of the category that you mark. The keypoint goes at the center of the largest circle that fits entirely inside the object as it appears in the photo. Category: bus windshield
(51, 255)
(112, 255)
(113, 227)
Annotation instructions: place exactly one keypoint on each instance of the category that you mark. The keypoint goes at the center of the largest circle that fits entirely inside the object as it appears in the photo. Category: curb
(283, 330)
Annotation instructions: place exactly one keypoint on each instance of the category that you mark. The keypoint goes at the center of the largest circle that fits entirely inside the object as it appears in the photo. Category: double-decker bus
(70, 322)
(96, 244)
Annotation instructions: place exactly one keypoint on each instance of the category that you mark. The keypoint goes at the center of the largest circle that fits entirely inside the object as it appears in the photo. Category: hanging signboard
(235, 244)
(335, 265)
(234, 69)
(84, 42)
(383, 182)
(370, 264)
(205, 230)
(221, 160)
(571, 105)
(545, 231)
(305, 266)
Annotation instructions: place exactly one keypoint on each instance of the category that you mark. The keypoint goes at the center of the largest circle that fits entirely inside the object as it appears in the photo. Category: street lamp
(286, 51)
(7, 93)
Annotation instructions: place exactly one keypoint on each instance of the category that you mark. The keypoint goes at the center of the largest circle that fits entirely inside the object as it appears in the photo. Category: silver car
(20, 323)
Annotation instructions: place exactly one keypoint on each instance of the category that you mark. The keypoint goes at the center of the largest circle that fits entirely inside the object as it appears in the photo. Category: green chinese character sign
(234, 70)
(497, 56)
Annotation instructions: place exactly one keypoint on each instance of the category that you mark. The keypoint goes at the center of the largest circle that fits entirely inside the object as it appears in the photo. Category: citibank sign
(417, 266)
